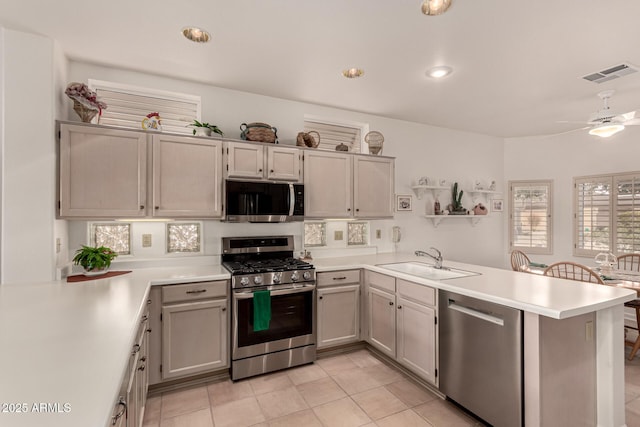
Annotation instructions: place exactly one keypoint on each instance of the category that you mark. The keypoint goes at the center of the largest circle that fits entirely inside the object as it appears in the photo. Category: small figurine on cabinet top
(152, 122)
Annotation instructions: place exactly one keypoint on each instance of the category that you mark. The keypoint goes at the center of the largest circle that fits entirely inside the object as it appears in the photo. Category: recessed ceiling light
(197, 35)
(435, 7)
(353, 73)
(439, 72)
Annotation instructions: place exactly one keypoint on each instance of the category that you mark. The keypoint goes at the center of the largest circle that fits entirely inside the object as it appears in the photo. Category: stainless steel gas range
(263, 270)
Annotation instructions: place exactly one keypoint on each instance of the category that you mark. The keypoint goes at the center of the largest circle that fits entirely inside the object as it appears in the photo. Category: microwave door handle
(292, 199)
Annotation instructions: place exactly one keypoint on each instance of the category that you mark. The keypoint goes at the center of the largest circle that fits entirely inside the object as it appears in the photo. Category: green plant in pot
(456, 201)
(205, 129)
(94, 260)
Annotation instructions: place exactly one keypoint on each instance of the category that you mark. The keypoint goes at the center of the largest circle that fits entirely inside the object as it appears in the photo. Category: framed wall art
(403, 202)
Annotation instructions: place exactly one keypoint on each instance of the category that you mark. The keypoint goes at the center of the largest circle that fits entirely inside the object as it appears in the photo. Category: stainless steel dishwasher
(481, 358)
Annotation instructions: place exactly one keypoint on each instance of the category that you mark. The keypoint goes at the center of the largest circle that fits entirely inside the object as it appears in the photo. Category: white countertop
(546, 296)
(69, 343)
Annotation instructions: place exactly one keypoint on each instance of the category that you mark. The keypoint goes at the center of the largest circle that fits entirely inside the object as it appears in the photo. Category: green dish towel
(261, 310)
(537, 264)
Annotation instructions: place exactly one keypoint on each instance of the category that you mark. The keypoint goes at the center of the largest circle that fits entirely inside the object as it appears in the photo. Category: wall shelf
(421, 189)
(437, 219)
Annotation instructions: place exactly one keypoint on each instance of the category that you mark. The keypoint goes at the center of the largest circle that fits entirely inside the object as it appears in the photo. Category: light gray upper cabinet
(342, 185)
(116, 173)
(186, 177)
(373, 186)
(103, 172)
(259, 162)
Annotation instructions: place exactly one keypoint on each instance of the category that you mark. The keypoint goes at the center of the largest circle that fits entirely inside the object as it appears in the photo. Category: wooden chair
(520, 261)
(573, 271)
(631, 262)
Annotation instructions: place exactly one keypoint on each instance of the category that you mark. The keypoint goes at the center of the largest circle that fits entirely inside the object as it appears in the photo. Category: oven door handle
(248, 295)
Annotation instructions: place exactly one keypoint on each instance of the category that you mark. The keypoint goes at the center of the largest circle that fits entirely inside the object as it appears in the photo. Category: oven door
(293, 312)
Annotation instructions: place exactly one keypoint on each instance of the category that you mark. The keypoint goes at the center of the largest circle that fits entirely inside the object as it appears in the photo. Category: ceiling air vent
(611, 73)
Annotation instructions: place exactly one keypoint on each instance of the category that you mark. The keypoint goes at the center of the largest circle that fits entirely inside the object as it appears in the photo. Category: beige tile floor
(354, 389)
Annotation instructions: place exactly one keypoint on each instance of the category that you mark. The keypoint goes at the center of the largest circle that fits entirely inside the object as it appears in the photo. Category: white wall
(28, 161)
(561, 158)
(419, 150)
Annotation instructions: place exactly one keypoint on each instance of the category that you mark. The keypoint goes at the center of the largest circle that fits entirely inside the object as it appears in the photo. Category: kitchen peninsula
(68, 343)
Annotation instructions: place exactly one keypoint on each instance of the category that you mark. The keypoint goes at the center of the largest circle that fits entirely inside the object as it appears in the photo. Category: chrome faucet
(437, 258)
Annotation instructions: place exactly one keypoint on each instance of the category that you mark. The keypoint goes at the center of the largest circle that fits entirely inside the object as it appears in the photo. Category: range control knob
(257, 280)
(277, 277)
(306, 275)
(295, 276)
(244, 281)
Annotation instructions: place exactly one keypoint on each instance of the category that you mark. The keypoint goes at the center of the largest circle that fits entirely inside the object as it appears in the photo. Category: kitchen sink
(427, 271)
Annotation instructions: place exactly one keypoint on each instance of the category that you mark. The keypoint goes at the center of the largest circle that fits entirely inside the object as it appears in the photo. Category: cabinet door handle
(199, 291)
(259, 170)
(141, 207)
(271, 171)
(390, 303)
(141, 368)
(144, 318)
(399, 307)
(136, 348)
(149, 330)
(348, 209)
(320, 297)
(157, 207)
(122, 402)
(340, 278)
(357, 210)
(224, 308)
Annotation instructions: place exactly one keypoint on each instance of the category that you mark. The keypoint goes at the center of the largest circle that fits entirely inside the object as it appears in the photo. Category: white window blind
(627, 213)
(332, 135)
(592, 215)
(128, 105)
(530, 227)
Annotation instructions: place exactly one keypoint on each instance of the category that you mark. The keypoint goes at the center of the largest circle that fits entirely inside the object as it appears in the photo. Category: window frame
(548, 249)
(363, 127)
(613, 180)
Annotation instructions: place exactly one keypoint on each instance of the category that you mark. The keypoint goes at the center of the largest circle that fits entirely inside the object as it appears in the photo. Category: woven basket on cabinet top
(261, 132)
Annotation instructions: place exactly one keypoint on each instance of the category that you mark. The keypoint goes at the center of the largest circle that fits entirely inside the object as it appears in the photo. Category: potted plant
(456, 201)
(94, 260)
(204, 129)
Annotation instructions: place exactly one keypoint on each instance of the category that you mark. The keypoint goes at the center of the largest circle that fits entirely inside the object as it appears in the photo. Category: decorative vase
(86, 114)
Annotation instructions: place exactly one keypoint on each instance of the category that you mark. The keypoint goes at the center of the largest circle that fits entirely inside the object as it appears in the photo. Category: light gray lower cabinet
(338, 308)
(194, 328)
(401, 322)
(130, 406)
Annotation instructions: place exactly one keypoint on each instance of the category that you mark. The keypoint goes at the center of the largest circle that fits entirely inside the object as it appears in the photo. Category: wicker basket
(260, 132)
(86, 114)
(306, 139)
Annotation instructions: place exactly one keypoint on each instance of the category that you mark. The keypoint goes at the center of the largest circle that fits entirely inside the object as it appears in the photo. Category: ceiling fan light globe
(606, 130)
(435, 7)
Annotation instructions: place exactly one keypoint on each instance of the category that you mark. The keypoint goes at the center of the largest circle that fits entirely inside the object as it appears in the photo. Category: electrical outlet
(588, 331)
(378, 234)
(337, 235)
(146, 240)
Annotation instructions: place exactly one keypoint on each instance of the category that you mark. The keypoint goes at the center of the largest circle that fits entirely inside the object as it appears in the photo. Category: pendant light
(435, 7)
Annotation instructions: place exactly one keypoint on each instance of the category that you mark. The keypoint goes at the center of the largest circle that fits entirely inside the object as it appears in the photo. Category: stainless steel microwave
(247, 201)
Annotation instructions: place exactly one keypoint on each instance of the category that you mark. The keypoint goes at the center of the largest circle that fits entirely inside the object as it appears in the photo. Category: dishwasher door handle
(475, 313)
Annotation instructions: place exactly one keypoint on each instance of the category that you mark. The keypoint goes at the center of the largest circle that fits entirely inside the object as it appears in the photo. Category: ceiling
(517, 64)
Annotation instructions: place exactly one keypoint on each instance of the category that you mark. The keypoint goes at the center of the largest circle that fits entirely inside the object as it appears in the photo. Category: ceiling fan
(605, 122)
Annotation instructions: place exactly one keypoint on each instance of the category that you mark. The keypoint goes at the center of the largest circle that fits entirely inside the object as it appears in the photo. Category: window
(357, 233)
(128, 105)
(116, 236)
(315, 234)
(607, 214)
(530, 227)
(333, 133)
(183, 237)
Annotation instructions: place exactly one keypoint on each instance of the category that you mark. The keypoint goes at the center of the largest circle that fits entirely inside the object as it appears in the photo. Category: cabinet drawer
(381, 281)
(333, 278)
(194, 291)
(416, 292)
